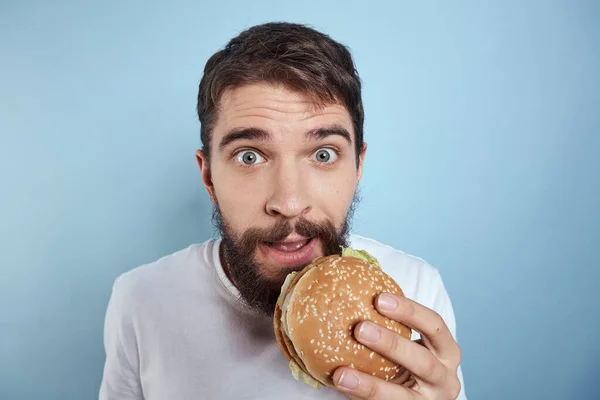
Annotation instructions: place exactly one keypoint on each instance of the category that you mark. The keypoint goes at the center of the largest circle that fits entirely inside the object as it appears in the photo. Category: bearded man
(282, 155)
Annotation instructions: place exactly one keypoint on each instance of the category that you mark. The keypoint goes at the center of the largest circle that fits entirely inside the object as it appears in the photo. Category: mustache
(324, 230)
(239, 252)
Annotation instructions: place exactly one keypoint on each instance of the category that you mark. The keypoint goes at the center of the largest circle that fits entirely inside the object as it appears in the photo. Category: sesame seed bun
(318, 309)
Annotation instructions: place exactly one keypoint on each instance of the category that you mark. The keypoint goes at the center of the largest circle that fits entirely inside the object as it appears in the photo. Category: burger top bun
(318, 309)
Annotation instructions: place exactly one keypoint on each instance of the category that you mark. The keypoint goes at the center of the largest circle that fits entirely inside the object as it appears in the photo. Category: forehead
(276, 108)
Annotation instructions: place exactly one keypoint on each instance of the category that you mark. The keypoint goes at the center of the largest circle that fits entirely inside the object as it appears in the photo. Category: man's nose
(290, 196)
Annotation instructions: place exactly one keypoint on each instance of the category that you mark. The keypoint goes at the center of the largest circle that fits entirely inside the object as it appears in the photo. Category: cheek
(333, 192)
(242, 196)
(239, 197)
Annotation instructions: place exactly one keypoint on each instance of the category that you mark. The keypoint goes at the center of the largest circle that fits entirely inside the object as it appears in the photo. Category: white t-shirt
(175, 329)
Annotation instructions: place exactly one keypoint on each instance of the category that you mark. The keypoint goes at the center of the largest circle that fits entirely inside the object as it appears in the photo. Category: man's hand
(431, 367)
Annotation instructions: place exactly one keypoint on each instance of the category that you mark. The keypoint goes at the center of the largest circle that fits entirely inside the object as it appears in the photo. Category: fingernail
(348, 380)
(387, 302)
(369, 332)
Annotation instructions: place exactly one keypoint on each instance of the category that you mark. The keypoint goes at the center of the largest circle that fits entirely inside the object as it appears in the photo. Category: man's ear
(361, 160)
(204, 166)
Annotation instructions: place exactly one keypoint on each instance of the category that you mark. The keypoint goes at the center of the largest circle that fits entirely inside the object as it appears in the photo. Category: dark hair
(296, 56)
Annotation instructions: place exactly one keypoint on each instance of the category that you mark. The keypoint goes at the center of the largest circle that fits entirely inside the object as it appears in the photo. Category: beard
(238, 253)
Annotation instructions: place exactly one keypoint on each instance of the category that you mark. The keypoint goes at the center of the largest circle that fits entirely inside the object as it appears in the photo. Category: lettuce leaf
(297, 373)
(360, 254)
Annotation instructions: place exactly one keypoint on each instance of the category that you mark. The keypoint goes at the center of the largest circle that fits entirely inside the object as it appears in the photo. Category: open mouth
(289, 247)
(290, 254)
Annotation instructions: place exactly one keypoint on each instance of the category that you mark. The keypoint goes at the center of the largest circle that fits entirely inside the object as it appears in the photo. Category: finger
(402, 376)
(351, 397)
(405, 378)
(364, 386)
(431, 326)
(416, 358)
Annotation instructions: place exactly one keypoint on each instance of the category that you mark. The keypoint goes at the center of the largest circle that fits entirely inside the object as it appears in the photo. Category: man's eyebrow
(261, 134)
(322, 133)
(243, 134)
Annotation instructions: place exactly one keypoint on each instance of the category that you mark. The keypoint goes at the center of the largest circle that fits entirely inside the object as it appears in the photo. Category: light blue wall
(483, 121)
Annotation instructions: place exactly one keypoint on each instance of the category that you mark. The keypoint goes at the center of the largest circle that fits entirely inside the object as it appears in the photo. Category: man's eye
(249, 157)
(325, 155)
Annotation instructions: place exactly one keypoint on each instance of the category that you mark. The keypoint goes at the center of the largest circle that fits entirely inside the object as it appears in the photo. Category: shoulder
(394, 261)
(387, 254)
(418, 279)
(171, 272)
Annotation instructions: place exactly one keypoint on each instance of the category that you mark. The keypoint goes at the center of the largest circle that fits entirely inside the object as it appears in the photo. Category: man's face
(283, 177)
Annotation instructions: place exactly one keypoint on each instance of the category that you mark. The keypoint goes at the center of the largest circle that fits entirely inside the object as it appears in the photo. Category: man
(282, 131)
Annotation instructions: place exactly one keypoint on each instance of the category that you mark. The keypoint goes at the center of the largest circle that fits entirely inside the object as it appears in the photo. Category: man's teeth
(289, 246)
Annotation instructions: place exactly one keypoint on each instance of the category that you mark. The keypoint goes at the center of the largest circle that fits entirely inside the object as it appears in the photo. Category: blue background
(483, 126)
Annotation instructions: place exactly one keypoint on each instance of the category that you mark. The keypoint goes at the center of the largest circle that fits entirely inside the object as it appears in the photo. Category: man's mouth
(289, 246)
(291, 252)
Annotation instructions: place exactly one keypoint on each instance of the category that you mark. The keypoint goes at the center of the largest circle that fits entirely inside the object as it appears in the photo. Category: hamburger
(318, 309)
